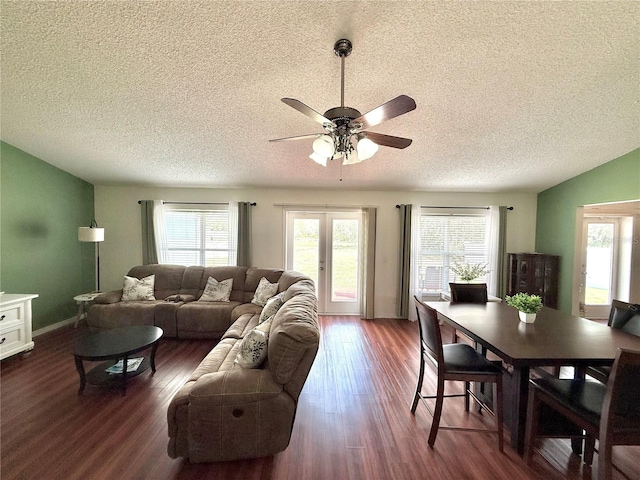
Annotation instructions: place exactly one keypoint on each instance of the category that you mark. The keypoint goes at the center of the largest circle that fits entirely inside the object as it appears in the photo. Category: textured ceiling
(510, 95)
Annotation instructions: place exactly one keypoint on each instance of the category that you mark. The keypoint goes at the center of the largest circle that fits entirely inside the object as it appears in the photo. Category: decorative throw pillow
(266, 326)
(253, 349)
(272, 306)
(264, 292)
(138, 289)
(216, 291)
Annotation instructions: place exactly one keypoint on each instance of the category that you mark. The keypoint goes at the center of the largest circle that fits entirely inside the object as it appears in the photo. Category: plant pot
(527, 317)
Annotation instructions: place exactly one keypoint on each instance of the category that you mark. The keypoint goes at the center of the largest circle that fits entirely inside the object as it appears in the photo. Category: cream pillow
(264, 292)
(216, 291)
(253, 349)
(272, 306)
(138, 289)
(266, 326)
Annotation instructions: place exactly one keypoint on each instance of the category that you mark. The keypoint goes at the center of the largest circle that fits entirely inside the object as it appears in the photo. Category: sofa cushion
(180, 297)
(253, 277)
(204, 319)
(138, 289)
(264, 291)
(243, 325)
(272, 306)
(222, 273)
(244, 309)
(168, 278)
(101, 316)
(294, 335)
(253, 349)
(216, 291)
(220, 358)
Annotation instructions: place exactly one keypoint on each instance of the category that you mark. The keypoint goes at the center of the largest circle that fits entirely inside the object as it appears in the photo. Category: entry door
(599, 266)
(327, 247)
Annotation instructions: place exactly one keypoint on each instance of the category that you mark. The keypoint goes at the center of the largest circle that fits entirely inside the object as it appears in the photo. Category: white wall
(117, 210)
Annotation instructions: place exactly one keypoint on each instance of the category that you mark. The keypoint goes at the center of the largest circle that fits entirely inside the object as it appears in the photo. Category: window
(445, 239)
(199, 237)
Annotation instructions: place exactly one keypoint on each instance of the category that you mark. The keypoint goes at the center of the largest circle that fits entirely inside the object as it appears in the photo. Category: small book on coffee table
(132, 366)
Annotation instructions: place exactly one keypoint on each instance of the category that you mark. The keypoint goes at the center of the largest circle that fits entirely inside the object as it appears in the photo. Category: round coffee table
(115, 345)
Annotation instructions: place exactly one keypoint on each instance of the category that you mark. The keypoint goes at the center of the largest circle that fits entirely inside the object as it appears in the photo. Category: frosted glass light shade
(324, 146)
(90, 234)
(366, 148)
(318, 159)
(351, 158)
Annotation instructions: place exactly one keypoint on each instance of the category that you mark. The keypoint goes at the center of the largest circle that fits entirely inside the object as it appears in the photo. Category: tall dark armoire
(536, 274)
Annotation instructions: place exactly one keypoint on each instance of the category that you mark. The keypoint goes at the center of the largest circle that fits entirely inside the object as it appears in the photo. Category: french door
(599, 266)
(327, 246)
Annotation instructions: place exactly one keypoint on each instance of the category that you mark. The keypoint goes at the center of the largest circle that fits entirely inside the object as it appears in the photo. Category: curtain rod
(253, 204)
(463, 208)
(302, 205)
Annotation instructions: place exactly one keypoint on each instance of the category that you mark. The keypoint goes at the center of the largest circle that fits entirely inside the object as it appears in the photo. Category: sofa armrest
(114, 296)
(180, 297)
(235, 386)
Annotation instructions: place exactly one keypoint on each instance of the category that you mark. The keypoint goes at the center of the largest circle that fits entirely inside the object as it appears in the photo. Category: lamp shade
(324, 146)
(90, 234)
(366, 148)
(318, 159)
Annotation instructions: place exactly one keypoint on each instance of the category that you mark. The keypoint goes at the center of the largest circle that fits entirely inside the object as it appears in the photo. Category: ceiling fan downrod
(342, 48)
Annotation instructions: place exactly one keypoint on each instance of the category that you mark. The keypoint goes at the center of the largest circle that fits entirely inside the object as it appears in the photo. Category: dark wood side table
(113, 345)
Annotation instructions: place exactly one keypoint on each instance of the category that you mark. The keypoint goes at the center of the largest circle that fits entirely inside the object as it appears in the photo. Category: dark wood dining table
(554, 339)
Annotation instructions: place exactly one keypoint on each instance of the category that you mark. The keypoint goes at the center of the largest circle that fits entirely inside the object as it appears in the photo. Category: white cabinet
(15, 323)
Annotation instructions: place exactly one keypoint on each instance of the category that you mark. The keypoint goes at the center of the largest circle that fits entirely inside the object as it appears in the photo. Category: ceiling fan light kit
(344, 126)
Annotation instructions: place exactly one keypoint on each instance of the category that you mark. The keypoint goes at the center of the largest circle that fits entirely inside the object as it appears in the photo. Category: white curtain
(233, 233)
(496, 245)
(160, 231)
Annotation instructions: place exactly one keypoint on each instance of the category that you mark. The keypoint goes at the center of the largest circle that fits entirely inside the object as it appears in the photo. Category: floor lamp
(95, 235)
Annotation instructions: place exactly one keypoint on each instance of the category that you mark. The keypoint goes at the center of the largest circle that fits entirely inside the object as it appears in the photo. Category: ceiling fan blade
(308, 111)
(297, 137)
(389, 140)
(393, 108)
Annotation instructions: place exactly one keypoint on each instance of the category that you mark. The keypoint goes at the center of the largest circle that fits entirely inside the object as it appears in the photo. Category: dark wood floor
(353, 419)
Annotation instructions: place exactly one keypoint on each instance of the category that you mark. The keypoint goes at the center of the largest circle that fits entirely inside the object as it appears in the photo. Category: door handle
(321, 268)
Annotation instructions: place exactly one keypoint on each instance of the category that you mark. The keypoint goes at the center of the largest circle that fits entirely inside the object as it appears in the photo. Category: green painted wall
(615, 181)
(41, 208)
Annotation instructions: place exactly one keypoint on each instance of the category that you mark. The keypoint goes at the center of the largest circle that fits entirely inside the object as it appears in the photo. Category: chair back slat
(429, 329)
(469, 292)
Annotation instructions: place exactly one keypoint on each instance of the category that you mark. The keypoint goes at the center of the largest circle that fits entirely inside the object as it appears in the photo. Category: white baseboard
(55, 326)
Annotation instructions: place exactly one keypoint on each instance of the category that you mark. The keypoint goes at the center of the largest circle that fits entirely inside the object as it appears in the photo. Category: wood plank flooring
(353, 420)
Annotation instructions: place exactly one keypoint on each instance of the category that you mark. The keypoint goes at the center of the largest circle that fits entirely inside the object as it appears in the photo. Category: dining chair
(469, 292)
(626, 317)
(608, 412)
(454, 362)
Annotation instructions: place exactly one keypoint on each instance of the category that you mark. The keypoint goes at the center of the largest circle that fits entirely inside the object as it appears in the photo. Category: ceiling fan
(345, 127)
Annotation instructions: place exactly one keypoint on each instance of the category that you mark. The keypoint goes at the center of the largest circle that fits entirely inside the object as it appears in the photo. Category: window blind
(198, 237)
(444, 240)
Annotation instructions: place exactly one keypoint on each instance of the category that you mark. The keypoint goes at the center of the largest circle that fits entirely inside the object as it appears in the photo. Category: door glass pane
(306, 247)
(599, 263)
(344, 255)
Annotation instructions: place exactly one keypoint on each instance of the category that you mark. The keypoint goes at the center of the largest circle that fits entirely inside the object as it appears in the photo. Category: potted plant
(527, 305)
(468, 272)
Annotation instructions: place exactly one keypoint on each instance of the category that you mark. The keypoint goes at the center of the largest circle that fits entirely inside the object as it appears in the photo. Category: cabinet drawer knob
(3, 339)
(2, 317)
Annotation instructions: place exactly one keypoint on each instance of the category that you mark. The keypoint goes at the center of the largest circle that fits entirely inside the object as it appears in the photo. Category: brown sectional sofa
(226, 412)
(176, 309)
